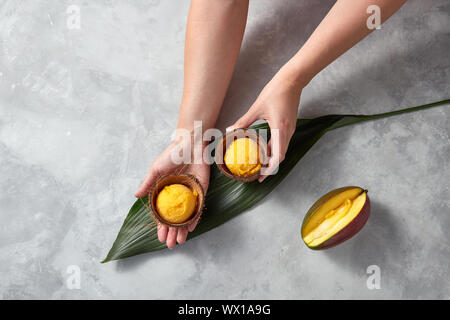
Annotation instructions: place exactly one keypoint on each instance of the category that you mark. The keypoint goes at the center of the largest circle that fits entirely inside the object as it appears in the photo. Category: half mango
(336, 217)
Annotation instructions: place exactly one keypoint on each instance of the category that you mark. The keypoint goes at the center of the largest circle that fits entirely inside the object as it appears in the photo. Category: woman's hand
(164, 165)
(277, 104)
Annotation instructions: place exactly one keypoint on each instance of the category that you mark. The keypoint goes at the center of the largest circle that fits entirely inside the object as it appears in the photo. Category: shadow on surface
(374, 244)
(314, 166)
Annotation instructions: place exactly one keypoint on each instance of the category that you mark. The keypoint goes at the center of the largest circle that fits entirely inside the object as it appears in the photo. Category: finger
(202, 173)
(182, 234)
(192, 226)
(277, 145)
(271, 167)
(172, 237)
(246, 120)
(204, 182)
(162, 233)
(149, 180)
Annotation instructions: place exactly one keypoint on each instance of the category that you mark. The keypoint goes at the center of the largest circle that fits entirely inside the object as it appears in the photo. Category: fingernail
(229, 129)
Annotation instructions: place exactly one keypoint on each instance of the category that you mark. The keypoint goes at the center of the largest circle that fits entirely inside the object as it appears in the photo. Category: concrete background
(84, 112)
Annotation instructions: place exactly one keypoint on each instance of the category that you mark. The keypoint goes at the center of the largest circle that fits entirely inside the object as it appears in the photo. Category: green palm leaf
(227, 198)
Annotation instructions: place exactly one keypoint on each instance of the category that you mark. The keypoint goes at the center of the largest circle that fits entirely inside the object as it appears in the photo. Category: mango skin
(349, 230)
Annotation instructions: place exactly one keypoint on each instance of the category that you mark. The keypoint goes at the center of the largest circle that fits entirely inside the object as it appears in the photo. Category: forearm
(214, 35)
(343, 27)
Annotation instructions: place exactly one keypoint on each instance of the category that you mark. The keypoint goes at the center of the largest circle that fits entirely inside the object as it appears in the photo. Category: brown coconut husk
(185, 179)
(227, 140)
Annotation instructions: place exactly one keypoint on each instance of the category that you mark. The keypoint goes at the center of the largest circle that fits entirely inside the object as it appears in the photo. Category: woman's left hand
(278, 104)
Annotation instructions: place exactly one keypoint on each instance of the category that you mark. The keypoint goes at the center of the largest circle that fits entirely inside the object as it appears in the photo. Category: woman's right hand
(164, 165)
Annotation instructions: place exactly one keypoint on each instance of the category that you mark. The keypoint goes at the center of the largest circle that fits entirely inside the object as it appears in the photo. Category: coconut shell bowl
(187, 180)
(227, 140)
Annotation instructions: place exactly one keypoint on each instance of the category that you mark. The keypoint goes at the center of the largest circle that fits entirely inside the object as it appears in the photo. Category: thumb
(146, 185)
(245, 121)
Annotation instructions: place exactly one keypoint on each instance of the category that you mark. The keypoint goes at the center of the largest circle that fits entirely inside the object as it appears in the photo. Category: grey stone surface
(84, 112)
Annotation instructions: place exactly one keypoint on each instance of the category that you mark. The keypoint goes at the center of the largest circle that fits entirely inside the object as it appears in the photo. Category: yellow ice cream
(176, 203)
(242, 157)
